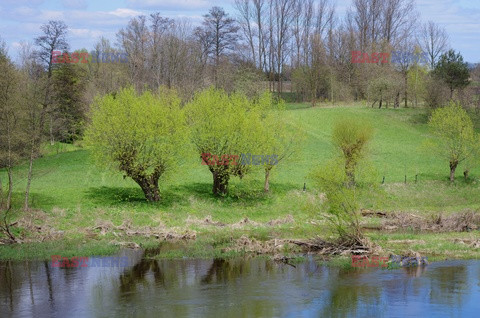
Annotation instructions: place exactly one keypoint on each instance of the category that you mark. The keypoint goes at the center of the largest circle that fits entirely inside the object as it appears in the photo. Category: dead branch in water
(347, 245)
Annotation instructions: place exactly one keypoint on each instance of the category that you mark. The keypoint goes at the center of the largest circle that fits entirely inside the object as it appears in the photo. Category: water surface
(237, 288)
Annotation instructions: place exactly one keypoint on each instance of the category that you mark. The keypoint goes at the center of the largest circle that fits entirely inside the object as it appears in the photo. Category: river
(237, 288)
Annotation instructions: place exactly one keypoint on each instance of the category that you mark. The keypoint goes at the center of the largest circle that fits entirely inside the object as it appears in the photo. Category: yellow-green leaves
(223, 124)
(456, 139)
(142, 135)
(226, 124)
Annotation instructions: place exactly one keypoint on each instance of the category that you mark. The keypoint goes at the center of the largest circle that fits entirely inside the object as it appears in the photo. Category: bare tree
(159, 32)
(33, 97)
(183, 63)
(106, 78)
(54, 37)
(433, 40)
(366, 16)
(134, 39)
(282, 13)
(398, 20)
(164, 52)
(252, 18)
(405, 59)
(218, 34)
(301, 30)
(246, 23)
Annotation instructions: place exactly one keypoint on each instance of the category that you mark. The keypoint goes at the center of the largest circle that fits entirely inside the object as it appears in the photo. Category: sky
(88, 20)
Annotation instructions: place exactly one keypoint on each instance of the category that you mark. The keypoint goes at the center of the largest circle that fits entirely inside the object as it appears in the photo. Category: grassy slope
(75, 193)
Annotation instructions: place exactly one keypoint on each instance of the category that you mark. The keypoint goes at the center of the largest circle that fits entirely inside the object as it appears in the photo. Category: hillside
(74, 193)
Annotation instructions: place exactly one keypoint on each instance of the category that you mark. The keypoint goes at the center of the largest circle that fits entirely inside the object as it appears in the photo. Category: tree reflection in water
(237, 287)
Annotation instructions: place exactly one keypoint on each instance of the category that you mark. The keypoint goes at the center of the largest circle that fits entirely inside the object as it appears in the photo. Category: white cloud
(86, 33)
(125, 13)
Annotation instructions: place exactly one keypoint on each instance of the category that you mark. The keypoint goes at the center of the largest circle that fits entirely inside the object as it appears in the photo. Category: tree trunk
(453, 166)
(465, 174)
(266, 187)
(52, 139)
(220, 183)
(29, 177)
(350, 172)
(406, 90)
(150, 188)
(415, 87)
(10, 188)
(1, 194)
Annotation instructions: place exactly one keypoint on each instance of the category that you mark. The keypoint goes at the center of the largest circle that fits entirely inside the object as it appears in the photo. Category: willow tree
(226, 125)
(140, 135)
(277, 140)
(455, 135)
(351, 137)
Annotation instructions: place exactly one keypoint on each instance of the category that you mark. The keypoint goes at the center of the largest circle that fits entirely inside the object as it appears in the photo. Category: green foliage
(142, 135)
(382, 89)
(436, 92)
(13, 115)
(337, 177)
(98, 195)
(417, 82)
(69, 85)
(455, 135)
(312, 82)
(342, 202)
(225, 124)
(452, 70)
(277, 139)
(351, 137)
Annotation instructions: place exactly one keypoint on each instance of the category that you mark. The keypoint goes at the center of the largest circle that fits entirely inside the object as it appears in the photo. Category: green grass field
(75, 194)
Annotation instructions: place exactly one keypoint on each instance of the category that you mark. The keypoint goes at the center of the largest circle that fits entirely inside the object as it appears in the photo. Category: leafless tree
(33, 84)
(159, 32)
(399, 19)
(54, 38)
(134, 39)
(253, 19)
(433, 40)
(218, 35)
(282, 13)
(406, 58)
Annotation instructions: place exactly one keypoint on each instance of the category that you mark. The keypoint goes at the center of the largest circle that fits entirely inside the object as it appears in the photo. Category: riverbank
(433, 237)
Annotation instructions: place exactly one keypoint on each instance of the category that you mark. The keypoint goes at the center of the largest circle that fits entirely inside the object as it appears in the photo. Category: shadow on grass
(244, 194)
(36, 200)
(294, 106)
(420, 118)
(115, 196)
(248, 193)
(237, 195)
